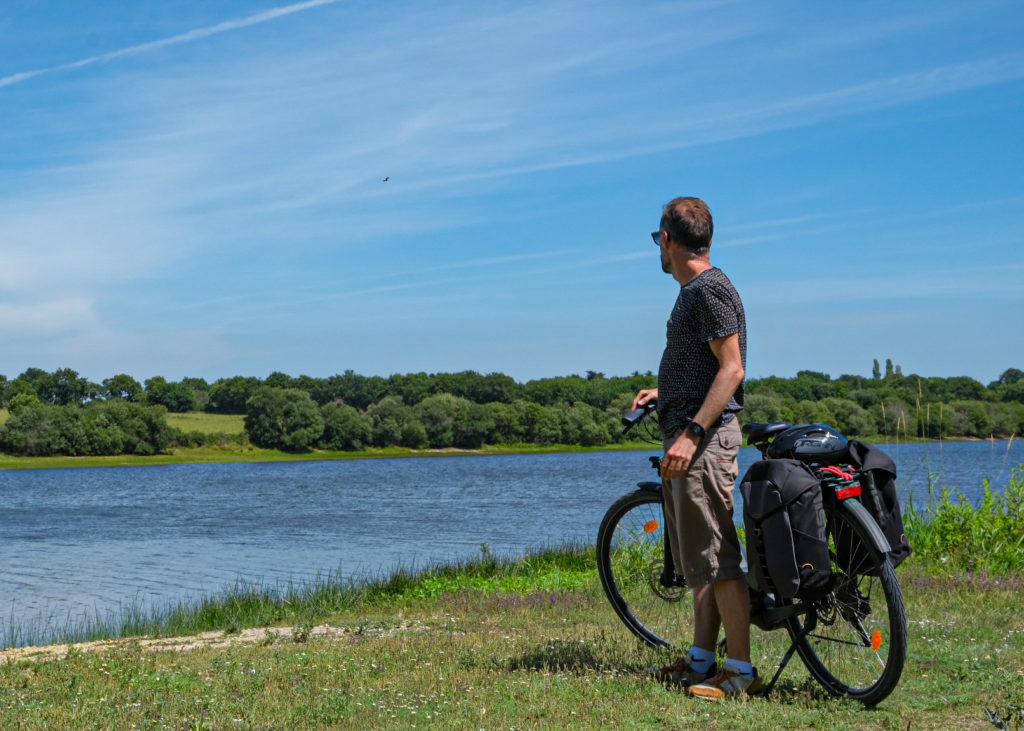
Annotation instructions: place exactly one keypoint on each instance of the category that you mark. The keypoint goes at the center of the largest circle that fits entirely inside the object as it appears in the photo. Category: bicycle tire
(630, 560)
(857, 644)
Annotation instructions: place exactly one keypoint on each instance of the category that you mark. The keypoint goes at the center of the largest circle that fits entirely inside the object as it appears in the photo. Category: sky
(236, 188)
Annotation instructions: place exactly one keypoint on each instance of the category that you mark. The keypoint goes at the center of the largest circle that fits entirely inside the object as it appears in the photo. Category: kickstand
(788, 656)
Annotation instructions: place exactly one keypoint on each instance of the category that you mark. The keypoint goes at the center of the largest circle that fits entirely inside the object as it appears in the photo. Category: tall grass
(967, 536)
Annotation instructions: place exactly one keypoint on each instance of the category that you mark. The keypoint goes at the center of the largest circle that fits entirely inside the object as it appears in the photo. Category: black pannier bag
(787, 550)
(878, 494)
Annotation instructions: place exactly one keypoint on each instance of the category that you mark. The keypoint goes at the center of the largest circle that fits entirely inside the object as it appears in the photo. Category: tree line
(60, 412)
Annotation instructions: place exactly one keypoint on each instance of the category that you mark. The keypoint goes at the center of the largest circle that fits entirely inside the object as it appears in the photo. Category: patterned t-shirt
(708, 307)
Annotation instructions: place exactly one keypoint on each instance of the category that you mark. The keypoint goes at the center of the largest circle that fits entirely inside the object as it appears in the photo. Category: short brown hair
(688, 223)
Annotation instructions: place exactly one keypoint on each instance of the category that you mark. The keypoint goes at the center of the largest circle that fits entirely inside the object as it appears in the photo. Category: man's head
(687, 221)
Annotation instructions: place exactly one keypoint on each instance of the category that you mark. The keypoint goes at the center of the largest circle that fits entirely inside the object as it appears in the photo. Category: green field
(207, 423)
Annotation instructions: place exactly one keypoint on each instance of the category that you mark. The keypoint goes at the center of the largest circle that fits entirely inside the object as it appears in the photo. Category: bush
(283, 418)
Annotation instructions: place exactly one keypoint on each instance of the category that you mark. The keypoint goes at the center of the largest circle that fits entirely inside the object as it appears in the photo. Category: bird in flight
(386, 179)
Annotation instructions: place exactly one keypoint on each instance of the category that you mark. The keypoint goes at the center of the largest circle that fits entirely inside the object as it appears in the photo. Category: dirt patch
(203, 640)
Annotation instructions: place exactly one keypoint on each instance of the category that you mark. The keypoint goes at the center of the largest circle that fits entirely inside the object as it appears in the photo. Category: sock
(701, 660)
(745, 668)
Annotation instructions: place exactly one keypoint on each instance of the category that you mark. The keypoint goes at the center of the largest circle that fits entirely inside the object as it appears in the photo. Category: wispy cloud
(187, 37)
(48, 318)
(240, 182)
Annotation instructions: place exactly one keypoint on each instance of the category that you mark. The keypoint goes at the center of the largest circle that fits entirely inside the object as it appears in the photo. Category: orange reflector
(650, 526)
(876, 640)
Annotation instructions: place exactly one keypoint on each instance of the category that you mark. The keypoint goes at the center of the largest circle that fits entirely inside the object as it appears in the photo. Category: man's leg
(723, 603)
(706, 618)
(733, 604)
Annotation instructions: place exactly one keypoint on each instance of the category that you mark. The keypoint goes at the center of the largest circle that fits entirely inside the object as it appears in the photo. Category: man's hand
(645, 397)
(677, 458)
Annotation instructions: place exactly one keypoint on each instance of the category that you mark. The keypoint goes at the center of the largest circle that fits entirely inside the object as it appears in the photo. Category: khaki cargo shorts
(699, 510)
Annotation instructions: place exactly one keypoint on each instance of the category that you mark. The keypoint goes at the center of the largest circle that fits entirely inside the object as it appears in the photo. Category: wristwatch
(696, 429)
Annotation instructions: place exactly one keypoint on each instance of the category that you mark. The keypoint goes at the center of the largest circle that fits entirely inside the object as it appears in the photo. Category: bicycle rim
(858, 639)
(630, 550)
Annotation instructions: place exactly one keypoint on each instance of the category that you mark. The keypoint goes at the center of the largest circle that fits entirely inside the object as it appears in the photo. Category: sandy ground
(185, 644)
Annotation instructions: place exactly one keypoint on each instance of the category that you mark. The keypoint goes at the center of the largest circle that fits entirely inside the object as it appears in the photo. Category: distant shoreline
(213, 455)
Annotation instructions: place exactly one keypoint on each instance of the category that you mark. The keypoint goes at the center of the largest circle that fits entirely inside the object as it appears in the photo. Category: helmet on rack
(810, 443)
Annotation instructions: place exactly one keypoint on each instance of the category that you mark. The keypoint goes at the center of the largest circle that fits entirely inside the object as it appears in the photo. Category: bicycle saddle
(759, 432)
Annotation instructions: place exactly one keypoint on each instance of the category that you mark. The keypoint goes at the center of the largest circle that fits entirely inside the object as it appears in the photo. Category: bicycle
(853, 640)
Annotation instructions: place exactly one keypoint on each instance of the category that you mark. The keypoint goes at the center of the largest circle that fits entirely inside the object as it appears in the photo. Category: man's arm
(729, 377)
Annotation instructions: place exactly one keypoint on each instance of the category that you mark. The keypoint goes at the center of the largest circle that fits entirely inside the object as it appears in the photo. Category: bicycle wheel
(630, 560)
(856, 643)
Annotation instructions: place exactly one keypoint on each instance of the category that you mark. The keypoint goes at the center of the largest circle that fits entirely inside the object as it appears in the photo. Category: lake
(88, 542)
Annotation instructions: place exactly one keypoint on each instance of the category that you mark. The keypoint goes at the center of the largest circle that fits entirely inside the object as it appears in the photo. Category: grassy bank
(231, 452)
(234, 452)
(527, 643)
(497, 644)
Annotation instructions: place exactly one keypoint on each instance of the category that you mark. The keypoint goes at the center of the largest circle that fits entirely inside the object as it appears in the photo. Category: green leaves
(283, 418)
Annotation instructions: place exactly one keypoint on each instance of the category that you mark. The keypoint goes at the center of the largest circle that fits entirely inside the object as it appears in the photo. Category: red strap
(837, 472)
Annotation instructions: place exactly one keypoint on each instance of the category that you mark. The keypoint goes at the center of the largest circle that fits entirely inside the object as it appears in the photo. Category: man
(699, 393)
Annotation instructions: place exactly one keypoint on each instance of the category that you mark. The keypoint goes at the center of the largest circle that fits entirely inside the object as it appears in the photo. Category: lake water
(86, 542)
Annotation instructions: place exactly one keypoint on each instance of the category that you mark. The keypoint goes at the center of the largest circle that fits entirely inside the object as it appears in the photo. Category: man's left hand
(677, 458)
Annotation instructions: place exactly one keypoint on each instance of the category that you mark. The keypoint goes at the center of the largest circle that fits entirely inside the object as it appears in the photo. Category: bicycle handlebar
(635, 416)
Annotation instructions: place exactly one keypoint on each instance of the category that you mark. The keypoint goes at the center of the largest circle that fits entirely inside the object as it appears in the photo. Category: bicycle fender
(878, 540)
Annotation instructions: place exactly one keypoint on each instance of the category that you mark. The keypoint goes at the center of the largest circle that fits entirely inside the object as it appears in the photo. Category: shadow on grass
(571, 656)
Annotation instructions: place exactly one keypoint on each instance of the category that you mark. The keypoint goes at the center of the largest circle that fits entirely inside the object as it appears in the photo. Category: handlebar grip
(633, 416)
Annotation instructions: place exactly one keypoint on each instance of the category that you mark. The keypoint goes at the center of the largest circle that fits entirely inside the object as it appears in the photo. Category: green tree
(122, 386)
(100, 428)
(506, 427)
(540, 424)
(283, 418)
(67, 388)
(585, 425)
(37, 381)
(876, 371)
(345, 428)
(411, 388)
(277, 379)
(177, 397)
(443, 416)
(962, 388)
(850, 418)
(767, 408)
(230, 395)
(23, 400)
(494, 388)
(350, 388)
(395, 424)
(200, 391)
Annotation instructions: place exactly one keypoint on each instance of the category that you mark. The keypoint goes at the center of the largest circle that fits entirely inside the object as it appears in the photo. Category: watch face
(696, 428)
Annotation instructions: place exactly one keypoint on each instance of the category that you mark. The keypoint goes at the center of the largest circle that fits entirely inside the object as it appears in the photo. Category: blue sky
(197, 189)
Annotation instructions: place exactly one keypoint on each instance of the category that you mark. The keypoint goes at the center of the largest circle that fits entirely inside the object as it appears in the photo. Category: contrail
(192, 35)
